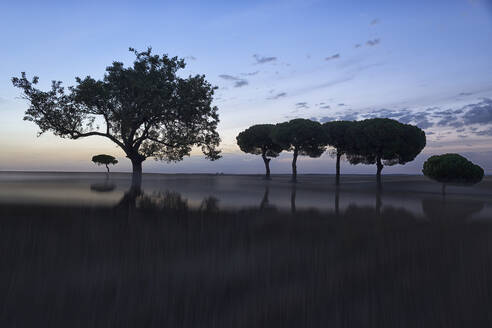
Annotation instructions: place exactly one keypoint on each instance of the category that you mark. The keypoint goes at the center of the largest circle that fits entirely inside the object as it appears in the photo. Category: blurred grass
(154, 262)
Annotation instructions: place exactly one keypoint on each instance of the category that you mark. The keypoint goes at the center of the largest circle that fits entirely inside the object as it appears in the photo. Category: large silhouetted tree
(257, 140)
(383, 141)
(338, 136)
(452, 169)
(147, 109)
(303, 137)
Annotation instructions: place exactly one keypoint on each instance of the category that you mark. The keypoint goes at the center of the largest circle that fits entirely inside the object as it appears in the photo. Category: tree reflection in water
(448, 210)
(103, 187)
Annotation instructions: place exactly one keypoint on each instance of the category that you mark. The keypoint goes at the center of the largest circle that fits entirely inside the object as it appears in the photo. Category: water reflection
(434, 209)
(103, 187)
(448, 210)
(231, 193)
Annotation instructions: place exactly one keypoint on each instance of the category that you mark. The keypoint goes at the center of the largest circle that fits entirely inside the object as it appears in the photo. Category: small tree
(104, 159)
(146, 109)
(338, 136)
(303, 137)
(257, 140)
(384, 141)
(452, 169)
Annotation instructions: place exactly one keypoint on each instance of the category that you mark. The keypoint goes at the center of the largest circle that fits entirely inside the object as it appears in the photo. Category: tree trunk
(137, 174)
(107, 173)
(266, 160)
(379, 169)
(294, 165)
(337, 177)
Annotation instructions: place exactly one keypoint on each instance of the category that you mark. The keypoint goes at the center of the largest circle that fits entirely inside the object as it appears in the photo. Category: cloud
(238, 82)
(421, 119)
(341, 105)
(262, 60)
(349, 116)
(383, 112)
(310, 88)
(302, 105)
(486, 133)
(190, 57)
(424, 124)
(336, 56)
(250, 74)
(480, 113)
(374, 21)
(465, 94)
(451, 121)
(374, 42)
(278, 95)
(325, 107)
(358, 45)
(327, 119)
(229, 77)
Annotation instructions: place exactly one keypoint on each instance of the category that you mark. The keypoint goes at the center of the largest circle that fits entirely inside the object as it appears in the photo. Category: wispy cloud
(190, 58)
(357, 45)
(374, 21)
(324, 85)
(335, 56)
(262, 59)
(302, 105)
(278, 95)
(373, 42)
(250, 74)
(238, 82)
(465, 94)
(228, 77)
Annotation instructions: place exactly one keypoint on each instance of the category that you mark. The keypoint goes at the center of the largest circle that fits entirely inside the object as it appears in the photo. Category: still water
(415, 195)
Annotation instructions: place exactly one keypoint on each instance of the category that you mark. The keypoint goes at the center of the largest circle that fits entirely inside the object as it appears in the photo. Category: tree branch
(76, 135)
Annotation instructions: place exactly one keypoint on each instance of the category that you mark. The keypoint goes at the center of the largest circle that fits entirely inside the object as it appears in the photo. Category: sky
(426, 63)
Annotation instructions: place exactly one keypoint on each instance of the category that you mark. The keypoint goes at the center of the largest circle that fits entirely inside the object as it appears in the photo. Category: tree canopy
(257, 140)
(147, 109)
(303, 137)
(452, 169)
(337, 136)
(104, 159)
(385, 141)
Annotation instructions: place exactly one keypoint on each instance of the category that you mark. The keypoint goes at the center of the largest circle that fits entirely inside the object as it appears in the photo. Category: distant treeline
(379, 141)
